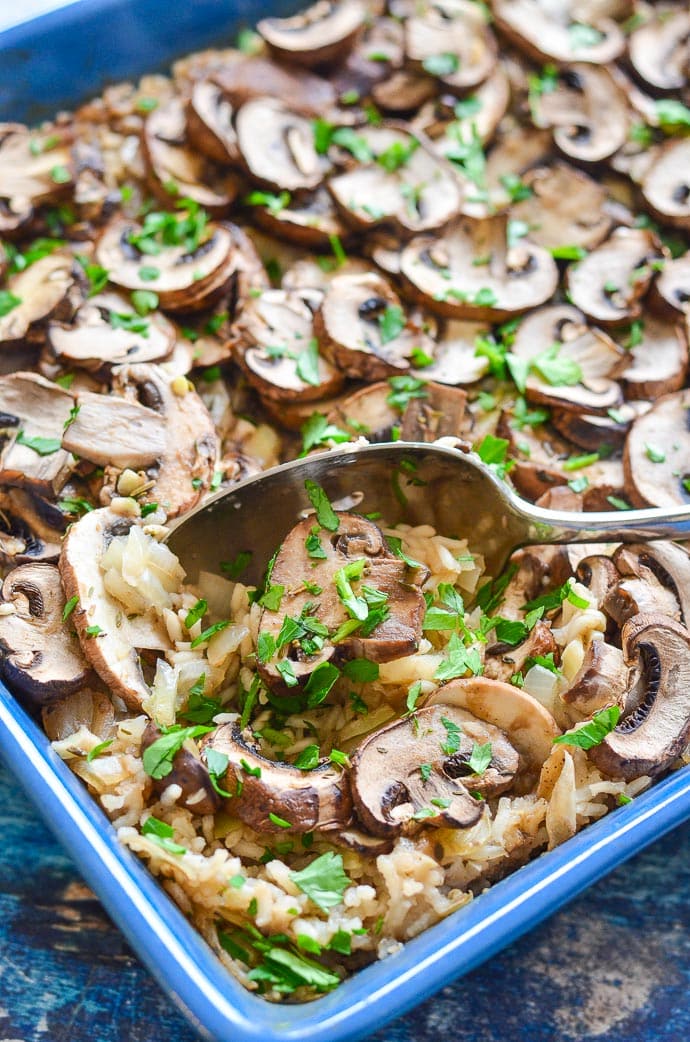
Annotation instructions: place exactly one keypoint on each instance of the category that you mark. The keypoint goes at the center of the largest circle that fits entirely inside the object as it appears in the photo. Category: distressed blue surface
(613, 967)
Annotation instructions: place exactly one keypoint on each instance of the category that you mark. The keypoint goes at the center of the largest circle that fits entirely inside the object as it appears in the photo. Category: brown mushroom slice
(591, 432)
(453, 37)
(602, 679)
(183, 280)
(107, 637)
(277, 350)
(355, 540)
(411, 773)
(632, 595)
(255, 77)
(111, 431)
(34, 412)
(84, 707)
(528, 726)
(40, 656)
(366, 412)
(319, 35)
(599, 574)
(444, 273)
(311, 220)
(189, 773)
(657, 454)
(106, 331)
(265, 791)
(669, 563)
(588, 112)
(404, 90)
(31, 529)
(666, 185)
(185, 469)
(672, 287)
(503, 661)
(551, 33)
(446, 122)
(173, 162)
(210, 126)
(36, 294)
(35, 168)
(658, 50)
(648, 739)
(659, 360)
(277, 146)
(569, 364)
(453, 356)
(441, 413)
(610, 282)
(565, 208)
(407, 183)
(363, 329)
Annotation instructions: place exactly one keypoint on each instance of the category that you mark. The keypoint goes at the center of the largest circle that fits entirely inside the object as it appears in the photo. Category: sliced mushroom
(672, 287)
(565, 208)
(189, 773)
(444, 271)
(366, 411)
(184, 470)
(406, 184)
(652, 735)
(658, 50)
(447, 123)
(106, 331)
(441, 413)
(277, 146)
(111, 431)
(31, 529)
(34, 412)
(175, 168)
(87, 708)
(40, 292)
(276, 347)
(413, 772)
(34, 169)
(210, 126)
(257, 77)
(668, 563)
(632, 595)
(320, 35)
(311, 220)
(599, 574)
(456, 32)
(107, 637)
(403, 91)
(610, 282)
(503, 660)
(301, 800)
(454, 358)
(569, 364)
(550, 32)
(666, 185)
(363, 329)
(591, 432)
(355, 540)
(659, 359)
(40, 656)
(657, 454)
(588, 113)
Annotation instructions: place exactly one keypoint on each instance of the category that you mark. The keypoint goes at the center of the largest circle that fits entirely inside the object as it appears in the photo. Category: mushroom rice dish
(368, 222)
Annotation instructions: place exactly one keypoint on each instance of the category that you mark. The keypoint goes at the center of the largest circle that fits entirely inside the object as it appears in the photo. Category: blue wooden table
(613, 967)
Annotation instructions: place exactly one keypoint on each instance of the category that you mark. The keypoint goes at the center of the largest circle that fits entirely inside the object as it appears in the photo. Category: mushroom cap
(40, 655)
(458, 28)
(392, 795)
(659, 361)
(544, 33)
(659, 483)
(672, 287)
(321, 34)
(42, 290)
(307, 800)
(566, 207)
(658, 50)
(210, 126)
(666, 185)
(609, 283)
(588, 113)
(647, 739)
(277, 146)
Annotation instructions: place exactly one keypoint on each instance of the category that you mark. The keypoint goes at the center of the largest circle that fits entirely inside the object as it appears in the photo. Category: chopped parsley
(325, 513)
(162, 834)
(158, 757)
(593, 732)
(324, 880)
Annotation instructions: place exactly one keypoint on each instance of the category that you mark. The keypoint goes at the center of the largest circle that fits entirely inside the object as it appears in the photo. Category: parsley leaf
(594, 732)
(325, 513)
(42, 446)
(162, 834)
(324, 880)
(158, 757)
(391, 323)
(480, 758)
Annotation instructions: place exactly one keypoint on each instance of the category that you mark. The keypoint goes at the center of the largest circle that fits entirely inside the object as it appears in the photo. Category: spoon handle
(630, 526)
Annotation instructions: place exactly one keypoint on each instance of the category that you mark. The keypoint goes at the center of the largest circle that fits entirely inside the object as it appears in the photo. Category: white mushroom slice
(547, 30)
(311, 220)
(251, 76)
(36, 294)
(183, 280)
(659, 359)
(407, 183)
(451, 39)
(366, 412)
(111, 431)
(666, 185)
(100, 621)
(672, 288)
(609, 283)
(476, 116)
(526, 723)
(277, 146)
(588, 112)
(185, 469)
(569, 364)
(403, 91)
(659, 50)
(565, 207)
(35, 167)
(657, 454)
(106, 331)
(440, 413)
(175, 167)
(454, 354)
(34, 410)
(363, 329)
(470, 272)
(319, 35)
(278, 351)
(210, 125)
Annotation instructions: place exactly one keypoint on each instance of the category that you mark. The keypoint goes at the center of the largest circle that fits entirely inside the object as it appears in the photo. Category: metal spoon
(403, 481)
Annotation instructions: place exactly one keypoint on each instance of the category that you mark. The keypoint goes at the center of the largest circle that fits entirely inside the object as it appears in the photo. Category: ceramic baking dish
(52, 62)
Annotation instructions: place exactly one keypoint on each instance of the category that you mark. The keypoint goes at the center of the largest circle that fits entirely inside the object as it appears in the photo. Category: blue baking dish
(52, 62)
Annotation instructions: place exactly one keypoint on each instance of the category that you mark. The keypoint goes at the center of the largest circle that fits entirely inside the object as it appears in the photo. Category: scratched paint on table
(613, 967)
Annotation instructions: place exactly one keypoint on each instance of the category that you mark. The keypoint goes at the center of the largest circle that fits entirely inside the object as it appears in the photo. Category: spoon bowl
(407, 482)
